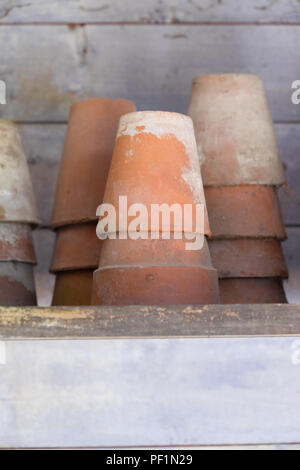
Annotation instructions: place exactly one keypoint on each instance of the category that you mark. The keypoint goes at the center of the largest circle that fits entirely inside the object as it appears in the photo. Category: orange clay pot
(73, 288)
(248, 258)
(17, 202)
(252, 291)
(16, 243)
(155, 285)
(17, 287)
(234, 131)
(244, 211)
(86, 159)
(77, 247)
(116, 253)
(155, 161)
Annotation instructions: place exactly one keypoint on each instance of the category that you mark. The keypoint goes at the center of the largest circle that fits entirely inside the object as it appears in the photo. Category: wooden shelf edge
(211, 321)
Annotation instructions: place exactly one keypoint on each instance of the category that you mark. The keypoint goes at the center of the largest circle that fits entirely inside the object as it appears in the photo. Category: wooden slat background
(61, 51)
(149, 11)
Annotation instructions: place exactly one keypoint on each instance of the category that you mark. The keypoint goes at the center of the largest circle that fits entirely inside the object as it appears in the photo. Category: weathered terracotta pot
(244, 211)
(86, 159)
(155, 161)
(73, 288)
(77, 247)
(252, 291)
(248, 258)
(16, 243)
(17, 202)
(16, 284)
(160, 252)
(234, 131)
(155, 285)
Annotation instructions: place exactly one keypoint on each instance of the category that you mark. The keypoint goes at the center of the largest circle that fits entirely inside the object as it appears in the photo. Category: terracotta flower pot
(154, 272)
(16, 243)
(244, 211)
(16, 284)
(248, 258)
(155, 285)
(160, 252)
(86, 159)
(252, 291)
(73, 288)
(234, 131)
(155, 161)
(17, 202)
(77, 247)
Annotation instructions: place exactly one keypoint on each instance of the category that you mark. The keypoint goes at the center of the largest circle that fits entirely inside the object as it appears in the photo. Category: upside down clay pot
(248, 258)
(155, 161)
(73, 288)
(77, 247)
(155, 285)
(17, 287)
(17, 202)
(86, 159)
(234, 131)
(252, 291)
(16, 243)
(244, 211)
(148, 252)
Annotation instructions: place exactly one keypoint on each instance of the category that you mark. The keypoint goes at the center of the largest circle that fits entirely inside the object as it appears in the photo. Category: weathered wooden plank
(137, 393)
(49, 67)
(149, 322)
(149, 11)
(44, 143)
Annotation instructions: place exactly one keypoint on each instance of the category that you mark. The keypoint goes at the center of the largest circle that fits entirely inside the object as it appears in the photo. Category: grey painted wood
(292, 254)
(155, 393)
(289, 144)
(49, 67)
(209, 321)
(152, 11)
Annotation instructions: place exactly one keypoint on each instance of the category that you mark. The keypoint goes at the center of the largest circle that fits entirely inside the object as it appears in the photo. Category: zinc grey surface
(151, 11)
(138, 393)
(152, 65)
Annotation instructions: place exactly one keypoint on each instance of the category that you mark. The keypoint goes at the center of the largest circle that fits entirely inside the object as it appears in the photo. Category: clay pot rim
(53, 270)
(162, 266)
(71, 223)
(221, 76)
(245, 237)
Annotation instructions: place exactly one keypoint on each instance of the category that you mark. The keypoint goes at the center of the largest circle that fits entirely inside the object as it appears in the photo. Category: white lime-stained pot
(234, 131)
(17, 201)
(17, 286)
(155, 161)
(16, 243)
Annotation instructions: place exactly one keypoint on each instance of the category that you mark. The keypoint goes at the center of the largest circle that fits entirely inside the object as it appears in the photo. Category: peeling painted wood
(149, 322)
(152, 65)
(149, 11)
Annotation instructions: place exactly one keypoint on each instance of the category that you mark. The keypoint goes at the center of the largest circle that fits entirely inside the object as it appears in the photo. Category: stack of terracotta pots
(155, 161)
(241, 169)
(83, 172)
(18, 215)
